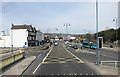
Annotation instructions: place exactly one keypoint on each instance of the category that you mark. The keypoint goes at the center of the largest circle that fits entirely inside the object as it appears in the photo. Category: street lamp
(12, 40)
(97, 32)
(116, 31)
(67, 29)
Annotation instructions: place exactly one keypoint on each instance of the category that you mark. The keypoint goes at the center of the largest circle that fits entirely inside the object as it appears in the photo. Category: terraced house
(23, 35)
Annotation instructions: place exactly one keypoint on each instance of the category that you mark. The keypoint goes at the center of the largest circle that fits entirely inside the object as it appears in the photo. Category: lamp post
(12, 41)
(116, 31)
(67, 29)
(97, 63)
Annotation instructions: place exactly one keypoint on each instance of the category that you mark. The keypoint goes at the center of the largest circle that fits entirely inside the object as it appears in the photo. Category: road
(106, 55)
(59, 61)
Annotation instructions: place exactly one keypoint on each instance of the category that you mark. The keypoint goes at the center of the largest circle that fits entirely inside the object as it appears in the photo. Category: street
(59, 61)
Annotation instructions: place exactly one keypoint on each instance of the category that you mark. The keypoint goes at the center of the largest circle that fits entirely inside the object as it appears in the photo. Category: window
(29, 38)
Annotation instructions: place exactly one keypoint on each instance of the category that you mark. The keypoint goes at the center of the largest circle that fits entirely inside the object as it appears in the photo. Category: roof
(21, 26)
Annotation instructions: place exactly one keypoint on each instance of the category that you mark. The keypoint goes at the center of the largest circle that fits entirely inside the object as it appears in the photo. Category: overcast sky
(50, 15)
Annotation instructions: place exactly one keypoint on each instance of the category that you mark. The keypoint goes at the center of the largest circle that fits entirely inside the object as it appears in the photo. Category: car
(70, 45)
(67, 44)
(55, 44)
(75, 47)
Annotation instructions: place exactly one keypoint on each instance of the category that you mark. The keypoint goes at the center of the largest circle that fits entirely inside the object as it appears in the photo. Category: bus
(85, 44)
(92, 45)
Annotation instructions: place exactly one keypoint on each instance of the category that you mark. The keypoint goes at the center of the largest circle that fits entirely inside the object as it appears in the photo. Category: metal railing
(115, 63)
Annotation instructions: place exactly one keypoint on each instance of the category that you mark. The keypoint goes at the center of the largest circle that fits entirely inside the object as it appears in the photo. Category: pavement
(108, 48)
(59, 61)
(20, 67)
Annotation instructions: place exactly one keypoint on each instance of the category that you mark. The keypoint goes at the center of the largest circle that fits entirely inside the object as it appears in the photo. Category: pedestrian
(78, 49)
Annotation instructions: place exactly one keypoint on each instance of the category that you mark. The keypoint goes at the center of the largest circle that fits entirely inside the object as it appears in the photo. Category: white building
(23, 35)
(5, 40)
(19, 37)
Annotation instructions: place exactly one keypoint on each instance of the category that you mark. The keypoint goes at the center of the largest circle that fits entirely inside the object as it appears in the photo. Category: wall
(19, 37)
(1, 43)
(39, 36)
(6, 41)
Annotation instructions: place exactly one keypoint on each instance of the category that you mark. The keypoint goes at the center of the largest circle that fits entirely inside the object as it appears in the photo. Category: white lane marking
(46, 55)
(69, 74)
(36, 68)
(81, 74)
(39, 64)
(86, 73)
(39, 55)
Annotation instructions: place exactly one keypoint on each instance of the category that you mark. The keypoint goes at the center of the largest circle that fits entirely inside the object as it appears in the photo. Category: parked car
(55, 44)
(70, 45)
(67, 44)
(75, 47)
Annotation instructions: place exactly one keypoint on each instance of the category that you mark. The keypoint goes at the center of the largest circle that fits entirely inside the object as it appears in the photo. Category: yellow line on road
(46, 56)
(73, 55)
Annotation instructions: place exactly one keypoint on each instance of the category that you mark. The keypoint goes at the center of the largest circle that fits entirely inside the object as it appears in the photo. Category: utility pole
(97, 63)
(67, 29)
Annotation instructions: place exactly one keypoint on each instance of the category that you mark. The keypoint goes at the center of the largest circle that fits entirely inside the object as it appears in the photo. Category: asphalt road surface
(59, 61)
(105, 54)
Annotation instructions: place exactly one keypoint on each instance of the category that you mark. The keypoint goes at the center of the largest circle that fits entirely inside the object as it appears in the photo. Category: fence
(115, 64)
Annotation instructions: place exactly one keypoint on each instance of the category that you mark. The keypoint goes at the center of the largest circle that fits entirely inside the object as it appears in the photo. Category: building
(23, 35)
(5, 40)
(39, 38)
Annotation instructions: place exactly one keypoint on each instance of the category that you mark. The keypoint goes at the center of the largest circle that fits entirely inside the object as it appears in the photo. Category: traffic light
(100, 41)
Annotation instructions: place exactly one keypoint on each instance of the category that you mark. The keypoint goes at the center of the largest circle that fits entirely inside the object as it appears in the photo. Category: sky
(47, 16)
